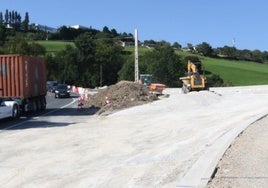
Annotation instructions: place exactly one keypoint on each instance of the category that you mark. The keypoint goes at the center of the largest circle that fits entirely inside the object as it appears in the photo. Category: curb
(203, 169)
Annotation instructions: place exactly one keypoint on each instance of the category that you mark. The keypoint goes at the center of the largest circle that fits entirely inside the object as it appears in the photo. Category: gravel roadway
(245, 163)
(153, 145)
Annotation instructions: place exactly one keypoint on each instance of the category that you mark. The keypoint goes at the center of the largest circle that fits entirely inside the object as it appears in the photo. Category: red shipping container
(22, 76)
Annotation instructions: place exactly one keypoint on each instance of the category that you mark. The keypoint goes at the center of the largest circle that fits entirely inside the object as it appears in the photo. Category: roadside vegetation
(93, 58)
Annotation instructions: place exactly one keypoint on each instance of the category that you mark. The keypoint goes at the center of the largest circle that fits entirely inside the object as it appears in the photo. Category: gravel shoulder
(245, 163)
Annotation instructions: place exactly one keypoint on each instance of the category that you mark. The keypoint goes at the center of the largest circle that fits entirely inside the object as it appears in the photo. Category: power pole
(136, 57)
(233, 42)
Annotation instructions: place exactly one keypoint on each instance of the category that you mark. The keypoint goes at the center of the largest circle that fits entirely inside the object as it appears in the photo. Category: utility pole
(136, 57)
(233, 42)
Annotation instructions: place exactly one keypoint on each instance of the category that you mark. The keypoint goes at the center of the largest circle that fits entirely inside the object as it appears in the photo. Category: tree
(150, 43)
(114, 33)
(9, 18)
(19, 45)
(176, 45)
(16, 45)
(106, 30)
(265, 55)
(51, 67)
(12, 17)
(2, 34)
(25, 23)
(1, 18)
(127, 70)
(257, 56)
(109, 59)
(86, 46)
(16, 21)
(87, 67)
(215, 81)
(164, 64)
(162, 44)
(35, 49)
(229, 52)
(204, 49)
(6, 17)
(67, 68)
(100, 59)
(65, 33)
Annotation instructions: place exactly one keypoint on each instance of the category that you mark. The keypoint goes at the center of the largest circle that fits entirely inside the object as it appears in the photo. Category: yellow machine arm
(191, 67)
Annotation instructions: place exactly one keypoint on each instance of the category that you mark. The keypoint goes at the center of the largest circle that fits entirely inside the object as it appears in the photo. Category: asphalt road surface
(54, 106)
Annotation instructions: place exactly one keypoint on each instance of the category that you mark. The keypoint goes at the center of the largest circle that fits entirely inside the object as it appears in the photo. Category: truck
(22, 85)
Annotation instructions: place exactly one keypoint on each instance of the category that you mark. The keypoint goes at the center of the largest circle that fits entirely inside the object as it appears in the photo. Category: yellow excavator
(194, 80)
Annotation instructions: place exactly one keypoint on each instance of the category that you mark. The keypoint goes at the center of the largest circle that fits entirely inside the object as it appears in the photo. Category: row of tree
(98, 60)
(12, 19)
(101, 61)
(228, 52)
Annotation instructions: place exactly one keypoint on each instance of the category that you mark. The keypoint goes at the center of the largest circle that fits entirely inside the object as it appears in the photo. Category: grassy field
(141, 50)
(239, 73)
(54, 46)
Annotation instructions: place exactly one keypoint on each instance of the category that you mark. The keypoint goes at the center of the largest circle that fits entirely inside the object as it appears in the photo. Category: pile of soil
(122, 95)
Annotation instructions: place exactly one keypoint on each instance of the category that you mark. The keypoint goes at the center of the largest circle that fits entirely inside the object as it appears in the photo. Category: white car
(9, 108)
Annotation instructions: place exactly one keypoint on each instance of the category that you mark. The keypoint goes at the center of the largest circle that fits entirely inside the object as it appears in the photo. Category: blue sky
(216, 22)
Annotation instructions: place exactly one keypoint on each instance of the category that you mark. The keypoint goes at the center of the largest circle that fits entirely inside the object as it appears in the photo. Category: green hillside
(54, 46)
(239, 73)
(141, 51)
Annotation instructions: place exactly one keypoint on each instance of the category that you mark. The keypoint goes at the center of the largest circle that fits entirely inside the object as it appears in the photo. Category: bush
(215, 81)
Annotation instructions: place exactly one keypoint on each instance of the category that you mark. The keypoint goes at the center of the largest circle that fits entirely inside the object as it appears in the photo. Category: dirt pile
(124, 94)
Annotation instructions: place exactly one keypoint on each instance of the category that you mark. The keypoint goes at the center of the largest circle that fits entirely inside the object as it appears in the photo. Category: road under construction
(173, 142)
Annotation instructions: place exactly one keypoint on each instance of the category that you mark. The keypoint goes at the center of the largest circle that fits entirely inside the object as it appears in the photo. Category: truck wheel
(15, 112)
(34, 106)
(38, 104)
(43, 103)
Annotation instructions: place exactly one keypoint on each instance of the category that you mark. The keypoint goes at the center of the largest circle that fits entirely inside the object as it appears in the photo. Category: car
(9, 108)
(62, 90)
(51, 86)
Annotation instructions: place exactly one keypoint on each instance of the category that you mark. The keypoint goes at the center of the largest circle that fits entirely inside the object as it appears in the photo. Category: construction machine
(148, 81)
(194, 80)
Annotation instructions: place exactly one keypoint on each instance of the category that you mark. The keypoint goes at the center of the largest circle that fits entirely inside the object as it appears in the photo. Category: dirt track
(151, 145)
